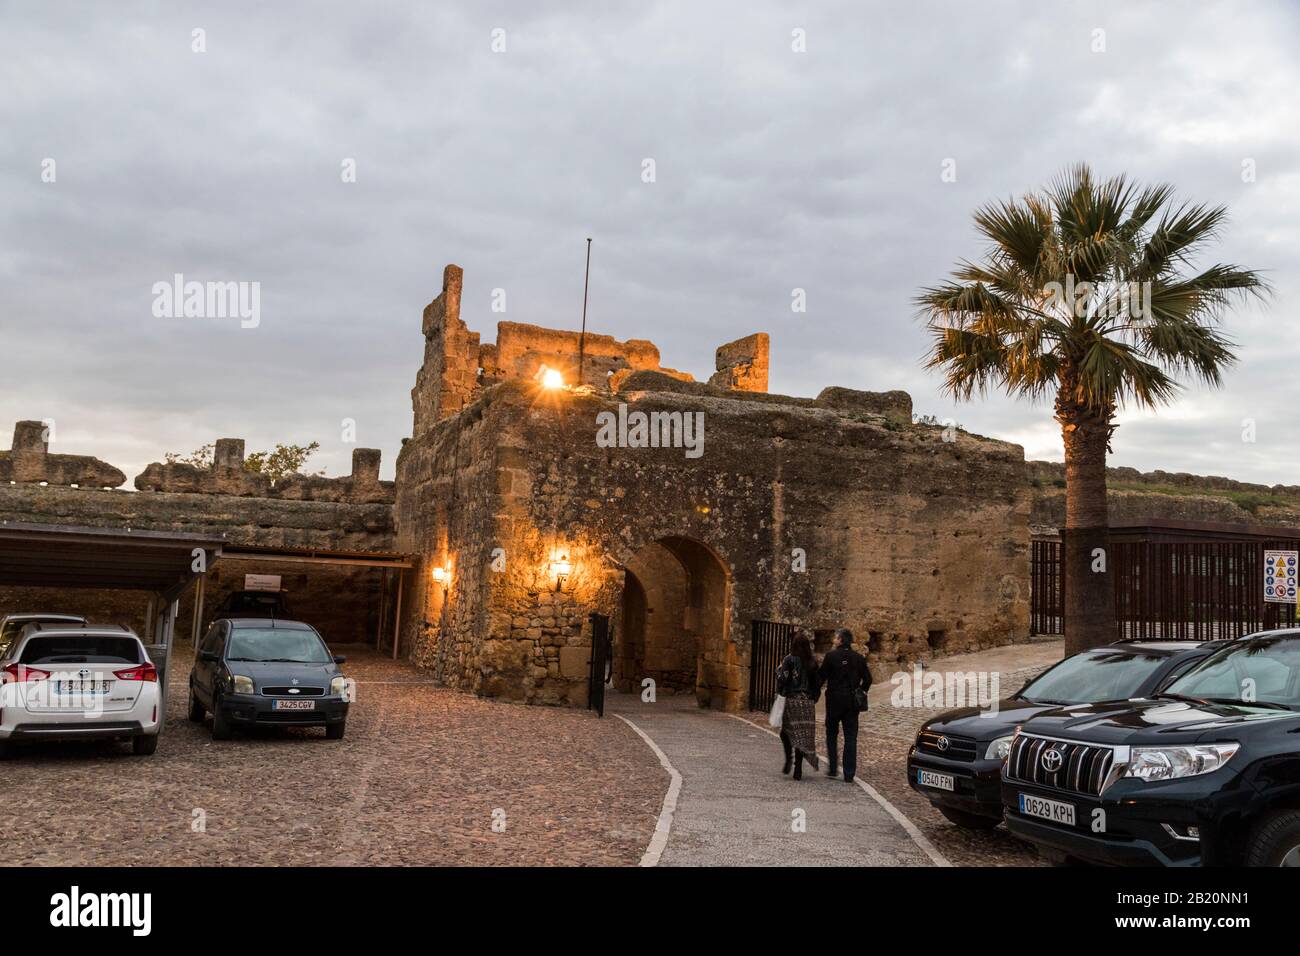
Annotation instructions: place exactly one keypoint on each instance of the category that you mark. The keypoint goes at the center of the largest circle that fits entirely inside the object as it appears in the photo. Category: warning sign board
(1280, 576)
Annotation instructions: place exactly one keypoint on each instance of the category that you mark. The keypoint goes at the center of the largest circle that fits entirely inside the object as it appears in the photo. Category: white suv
(79, 683)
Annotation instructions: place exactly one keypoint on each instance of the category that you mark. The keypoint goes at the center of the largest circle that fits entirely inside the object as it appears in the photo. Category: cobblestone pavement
(736, 809)
(415, 781)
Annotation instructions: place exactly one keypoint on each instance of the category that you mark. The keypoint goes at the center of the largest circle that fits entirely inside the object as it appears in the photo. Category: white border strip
(928, 848)
(665, 823)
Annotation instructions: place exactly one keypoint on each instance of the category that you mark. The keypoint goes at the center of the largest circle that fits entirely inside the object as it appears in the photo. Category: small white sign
(1281, 574)
(261, 582)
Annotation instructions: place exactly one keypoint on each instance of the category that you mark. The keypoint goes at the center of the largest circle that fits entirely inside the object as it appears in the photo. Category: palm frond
(1140, 322)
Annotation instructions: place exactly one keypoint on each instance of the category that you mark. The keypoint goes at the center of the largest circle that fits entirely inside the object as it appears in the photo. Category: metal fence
(769, 644)
(1169, 589)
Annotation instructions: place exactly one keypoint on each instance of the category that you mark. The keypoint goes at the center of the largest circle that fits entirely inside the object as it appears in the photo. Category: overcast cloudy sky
(775, 170)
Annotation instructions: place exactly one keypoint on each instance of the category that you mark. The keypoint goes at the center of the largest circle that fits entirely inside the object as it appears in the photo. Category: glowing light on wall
(561, 567)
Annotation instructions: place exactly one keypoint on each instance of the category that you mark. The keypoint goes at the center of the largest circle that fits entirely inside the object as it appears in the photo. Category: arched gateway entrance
(675, 624)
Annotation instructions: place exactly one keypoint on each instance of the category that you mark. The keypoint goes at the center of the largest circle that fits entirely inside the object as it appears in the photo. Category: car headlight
(339, 686)
(241, 684)
(1169, 763)
(999, 748)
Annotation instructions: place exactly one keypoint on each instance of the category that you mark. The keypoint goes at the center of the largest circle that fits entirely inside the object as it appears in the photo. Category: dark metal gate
(1046, 592)
(769, 644)
(602, 659)
(1174, 582)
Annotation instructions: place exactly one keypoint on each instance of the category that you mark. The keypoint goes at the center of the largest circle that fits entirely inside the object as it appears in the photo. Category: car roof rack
(81, 629)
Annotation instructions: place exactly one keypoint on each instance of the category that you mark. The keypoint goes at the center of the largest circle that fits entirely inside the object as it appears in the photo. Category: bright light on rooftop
(551, 378)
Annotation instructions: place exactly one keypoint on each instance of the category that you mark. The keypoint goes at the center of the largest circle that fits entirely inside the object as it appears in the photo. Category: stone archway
(675, 623)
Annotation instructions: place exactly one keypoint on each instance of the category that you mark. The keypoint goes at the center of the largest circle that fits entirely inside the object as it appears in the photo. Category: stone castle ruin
(546, 479)
(827, 511)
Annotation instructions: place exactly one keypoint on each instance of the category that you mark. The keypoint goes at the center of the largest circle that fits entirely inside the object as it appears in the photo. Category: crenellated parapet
(29, 461)
(229, 475)
(457, 366)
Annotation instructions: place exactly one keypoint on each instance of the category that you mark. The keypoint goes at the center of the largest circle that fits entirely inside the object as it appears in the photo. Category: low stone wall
(342, 602)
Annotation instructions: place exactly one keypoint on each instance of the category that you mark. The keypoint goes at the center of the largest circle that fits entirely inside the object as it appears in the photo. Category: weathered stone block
(742, 365)
(895, 406)
(575, 662)
(29, 461)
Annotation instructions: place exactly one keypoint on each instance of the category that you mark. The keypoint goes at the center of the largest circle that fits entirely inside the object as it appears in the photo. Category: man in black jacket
(846, 679)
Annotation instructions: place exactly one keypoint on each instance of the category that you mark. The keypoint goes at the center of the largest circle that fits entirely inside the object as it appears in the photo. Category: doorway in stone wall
(675, 624)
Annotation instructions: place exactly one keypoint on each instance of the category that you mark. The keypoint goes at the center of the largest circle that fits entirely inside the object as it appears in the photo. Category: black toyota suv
(956, 762)
(255, 671)
(1206, 772)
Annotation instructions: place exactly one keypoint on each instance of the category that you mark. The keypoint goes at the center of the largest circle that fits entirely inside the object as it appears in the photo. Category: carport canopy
(162, 562)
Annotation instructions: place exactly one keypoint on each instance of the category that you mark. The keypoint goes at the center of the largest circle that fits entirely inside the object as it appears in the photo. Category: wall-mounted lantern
(442, 575)
(561, 567)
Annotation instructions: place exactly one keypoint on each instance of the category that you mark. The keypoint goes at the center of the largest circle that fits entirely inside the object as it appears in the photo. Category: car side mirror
(340, 659)
(210, 656)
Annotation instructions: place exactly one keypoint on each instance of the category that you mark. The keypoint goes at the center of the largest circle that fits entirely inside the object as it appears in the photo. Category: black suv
(1205, 773)
(271, 604)
(251, 671)
(956, 762)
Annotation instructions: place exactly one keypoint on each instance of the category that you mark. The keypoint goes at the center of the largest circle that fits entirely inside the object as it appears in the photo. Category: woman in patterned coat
(799, 683)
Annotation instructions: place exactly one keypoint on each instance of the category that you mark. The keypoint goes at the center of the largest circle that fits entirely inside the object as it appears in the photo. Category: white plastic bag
(778, 712)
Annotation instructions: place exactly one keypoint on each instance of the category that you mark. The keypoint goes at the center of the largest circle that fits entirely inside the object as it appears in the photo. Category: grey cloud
(775, 170)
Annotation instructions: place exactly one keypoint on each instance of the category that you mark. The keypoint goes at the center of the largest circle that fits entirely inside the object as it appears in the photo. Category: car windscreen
(76, 649)
(1103, 673)
(276, 644)
(1265, 670)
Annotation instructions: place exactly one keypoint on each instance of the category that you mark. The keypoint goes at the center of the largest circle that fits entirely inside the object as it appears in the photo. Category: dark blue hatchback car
(258, 671)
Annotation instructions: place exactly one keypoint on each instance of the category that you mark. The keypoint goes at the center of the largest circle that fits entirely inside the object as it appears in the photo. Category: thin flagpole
(582, 338)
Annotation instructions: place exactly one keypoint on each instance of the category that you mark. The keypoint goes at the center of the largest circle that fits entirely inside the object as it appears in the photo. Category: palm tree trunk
(1089, 584)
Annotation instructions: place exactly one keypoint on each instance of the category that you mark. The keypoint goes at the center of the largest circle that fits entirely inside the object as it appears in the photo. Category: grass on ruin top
(1250, 501)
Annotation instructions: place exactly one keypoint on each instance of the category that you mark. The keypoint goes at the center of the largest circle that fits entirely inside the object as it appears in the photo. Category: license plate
(939, 781)
(1053, 810)
(81, 687)
(293, 705)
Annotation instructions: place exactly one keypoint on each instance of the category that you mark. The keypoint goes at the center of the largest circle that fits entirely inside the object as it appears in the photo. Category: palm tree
(1088, 293)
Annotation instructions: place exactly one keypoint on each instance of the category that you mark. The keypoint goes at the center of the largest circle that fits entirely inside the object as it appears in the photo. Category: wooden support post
(200, 587)
(397, 612)
(383, 602)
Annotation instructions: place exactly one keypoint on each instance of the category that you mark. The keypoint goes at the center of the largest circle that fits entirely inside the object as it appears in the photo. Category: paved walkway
(736, 808)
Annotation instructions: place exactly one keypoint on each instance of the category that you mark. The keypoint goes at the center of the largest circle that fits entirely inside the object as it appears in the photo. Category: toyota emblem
(1052, 760)
(942, 743)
